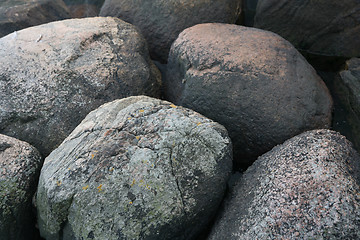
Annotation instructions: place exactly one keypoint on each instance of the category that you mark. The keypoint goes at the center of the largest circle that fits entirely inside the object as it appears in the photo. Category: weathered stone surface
(20, 14)
(136, 168)
(321, 27)
(19, 169)
(347, 88)
(52, 75)
(251, 81)
(162, 20)
(84, 8)
(306, 188)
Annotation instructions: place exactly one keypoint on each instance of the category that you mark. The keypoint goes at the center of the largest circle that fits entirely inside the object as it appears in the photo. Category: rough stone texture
(347, 88)
(136, 168)
(251, 81)
(84, 8)
(162, 20)
(52, 75)
(19, 169)
(19, 14)
(321, 27)
(306, 188)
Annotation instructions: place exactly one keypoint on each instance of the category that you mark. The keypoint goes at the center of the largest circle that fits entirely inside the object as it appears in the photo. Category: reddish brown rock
(252, 81)
(20, 14)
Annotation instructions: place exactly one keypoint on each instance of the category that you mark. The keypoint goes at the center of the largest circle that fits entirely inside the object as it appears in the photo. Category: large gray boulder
(20, 14)
(19, 171)
(52, 75)
(321, 27)
(252, 81)
(306, 188)
(162, 20)
(136, 168)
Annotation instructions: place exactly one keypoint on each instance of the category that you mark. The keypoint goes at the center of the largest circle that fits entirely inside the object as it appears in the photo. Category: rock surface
(52, 75)
(162, 20)
(347, 87)
(19, 169)
(84, 8)
(20, 14)
(136, 168)
(251, 81)
(321, 27)
(306, 188)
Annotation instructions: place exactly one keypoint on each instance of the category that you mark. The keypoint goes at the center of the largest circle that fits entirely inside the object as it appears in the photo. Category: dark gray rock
(84, 8)
(249, 10)
(52, 75)
(347, 88)
(162, 20)
(19, 170)
(306, 188)
(20, 14)
(321, 27)
(253, 82)
(135, 168)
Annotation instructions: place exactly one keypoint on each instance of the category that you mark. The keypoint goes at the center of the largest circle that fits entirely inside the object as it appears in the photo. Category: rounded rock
(251, 81)
(20, 165)
(306, 188)
(135, 168)
(54, 74)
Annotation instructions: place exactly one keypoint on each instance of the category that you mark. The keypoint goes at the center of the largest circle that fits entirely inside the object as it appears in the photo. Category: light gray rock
(162, 20)
(251, 81)
(306, 188)
(136, 168)
(19, 171)
(52, 75)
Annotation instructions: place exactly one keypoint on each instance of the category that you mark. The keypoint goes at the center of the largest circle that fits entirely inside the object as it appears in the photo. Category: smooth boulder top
(321, 27)
(135, 168)
(306, 188)
(19, 14)
(162, 20)
(19, 170)
(252, 81)
(54, 74)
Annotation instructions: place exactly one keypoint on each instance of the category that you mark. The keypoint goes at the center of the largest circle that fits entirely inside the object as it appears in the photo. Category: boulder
(347, 88)
(306, 188)
(162, 20)
(52, 75)
(20, 14)
(135, 168)
(252, 81)
(321, 27)
(84, 8)
(20, 165)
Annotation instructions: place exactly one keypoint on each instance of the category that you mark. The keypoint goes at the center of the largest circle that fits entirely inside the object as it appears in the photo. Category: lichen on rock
(135, 168)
